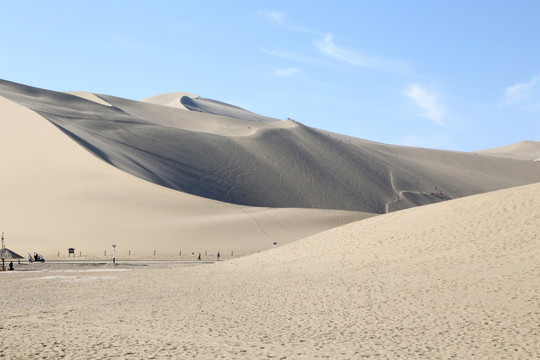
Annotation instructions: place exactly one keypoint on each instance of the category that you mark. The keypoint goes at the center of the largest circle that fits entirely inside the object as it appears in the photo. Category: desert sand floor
(458, 279)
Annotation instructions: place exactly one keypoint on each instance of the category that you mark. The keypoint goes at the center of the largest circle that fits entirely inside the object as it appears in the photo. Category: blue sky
(455, 75)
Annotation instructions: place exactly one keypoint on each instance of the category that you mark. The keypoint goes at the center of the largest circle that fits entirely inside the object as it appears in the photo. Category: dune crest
(523, 150)
(89, 96)
(172, 99)
(248, 161)
(214, 107)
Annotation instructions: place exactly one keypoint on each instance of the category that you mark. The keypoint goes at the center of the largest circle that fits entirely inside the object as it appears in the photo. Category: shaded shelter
(5, 253)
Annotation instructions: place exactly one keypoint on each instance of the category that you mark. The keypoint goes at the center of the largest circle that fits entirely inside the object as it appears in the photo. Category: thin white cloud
(520, 91)
(280, 18)
(429, 102)
(327, 46)
(275, 16)
(286, 72)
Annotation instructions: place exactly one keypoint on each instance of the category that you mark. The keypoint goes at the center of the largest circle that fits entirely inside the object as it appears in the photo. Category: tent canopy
(8, 254)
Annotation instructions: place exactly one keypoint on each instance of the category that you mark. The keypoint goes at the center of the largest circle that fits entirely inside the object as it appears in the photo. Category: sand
(56, 195)
(209, 177)
(176, 175)
(171, 99)
(221, 152)
(457, 279)
(523, 150)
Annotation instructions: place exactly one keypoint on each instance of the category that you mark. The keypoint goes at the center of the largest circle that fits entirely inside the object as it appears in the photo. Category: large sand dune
(55, 195)
(454, 280)
(222, 152)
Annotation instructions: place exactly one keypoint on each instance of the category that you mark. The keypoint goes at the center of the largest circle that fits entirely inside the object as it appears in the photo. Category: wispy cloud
(275, 16)
(327, 46)
(286, 72)
(428, 101)
(280, 18)
(521, 91)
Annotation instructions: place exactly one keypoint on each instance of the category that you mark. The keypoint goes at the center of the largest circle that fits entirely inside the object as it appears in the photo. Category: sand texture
(221, 152)
(56, 195)
(454, 280)
(523, 150)
(175, 175)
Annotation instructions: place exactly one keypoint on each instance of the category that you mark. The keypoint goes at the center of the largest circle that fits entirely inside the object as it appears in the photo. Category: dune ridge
(214, 107)
(89, 96)
(171, 99)
(247, 161)
(523, 150)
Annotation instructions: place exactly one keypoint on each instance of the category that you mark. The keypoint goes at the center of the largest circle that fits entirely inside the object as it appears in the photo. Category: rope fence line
(107, 255)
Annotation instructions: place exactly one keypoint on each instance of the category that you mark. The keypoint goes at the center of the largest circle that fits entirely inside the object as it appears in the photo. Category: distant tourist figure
(199, 258)
(218, 256)
(11, 266)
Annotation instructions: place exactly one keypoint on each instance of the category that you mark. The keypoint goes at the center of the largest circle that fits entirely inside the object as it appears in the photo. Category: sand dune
(523, 150)
(171, 99)
(89, 96)
(221, 152)
(188, 101)
(457, 279)
(55, 195)
(214, 107)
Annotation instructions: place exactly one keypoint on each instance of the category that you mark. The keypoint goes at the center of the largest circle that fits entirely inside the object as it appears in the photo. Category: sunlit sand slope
(457, 279)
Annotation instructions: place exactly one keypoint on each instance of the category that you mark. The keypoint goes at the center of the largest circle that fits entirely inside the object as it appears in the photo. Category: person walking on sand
(218, 256)
(199, 258)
